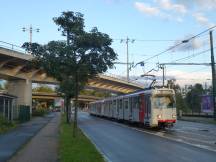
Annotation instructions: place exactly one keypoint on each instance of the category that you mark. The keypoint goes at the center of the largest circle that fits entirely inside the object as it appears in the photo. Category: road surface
(120, 143)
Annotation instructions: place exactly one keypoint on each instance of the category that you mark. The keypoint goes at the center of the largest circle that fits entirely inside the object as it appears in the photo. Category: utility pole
(127, 40)
(213, 74)
(30, 29)
(162, 66)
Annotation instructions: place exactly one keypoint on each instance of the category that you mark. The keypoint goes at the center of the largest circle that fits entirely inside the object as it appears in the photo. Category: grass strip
(76, 149)
(198, 120)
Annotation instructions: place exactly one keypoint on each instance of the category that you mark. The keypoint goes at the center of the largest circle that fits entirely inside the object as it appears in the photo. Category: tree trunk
(67, 109)
(76, 104)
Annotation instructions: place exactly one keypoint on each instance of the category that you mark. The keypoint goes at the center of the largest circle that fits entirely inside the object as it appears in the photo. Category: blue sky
(137, 19)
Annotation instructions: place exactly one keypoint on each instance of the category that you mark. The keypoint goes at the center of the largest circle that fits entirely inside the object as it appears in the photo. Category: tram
(153, 107)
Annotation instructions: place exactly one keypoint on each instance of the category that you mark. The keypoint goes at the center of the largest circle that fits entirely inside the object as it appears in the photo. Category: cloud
(184, 77)
(157, 11)
(199, 4)
(168, 5)
(146, 8)
(193, 44)
(201, 19)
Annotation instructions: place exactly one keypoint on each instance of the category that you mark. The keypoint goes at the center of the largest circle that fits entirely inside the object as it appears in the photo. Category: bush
(5, 125)
(39, 112)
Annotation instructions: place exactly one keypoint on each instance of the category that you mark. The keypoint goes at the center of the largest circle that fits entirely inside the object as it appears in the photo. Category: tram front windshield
(163, 102)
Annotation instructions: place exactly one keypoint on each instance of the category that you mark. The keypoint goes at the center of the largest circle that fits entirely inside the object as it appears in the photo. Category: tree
(1, 87)
(43, 88)
(73, 62)
(193, 97)
(180, 102)
(96, 93)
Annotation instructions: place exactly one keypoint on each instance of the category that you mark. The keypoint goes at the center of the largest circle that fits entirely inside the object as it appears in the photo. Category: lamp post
(127, 40)
(30, 29)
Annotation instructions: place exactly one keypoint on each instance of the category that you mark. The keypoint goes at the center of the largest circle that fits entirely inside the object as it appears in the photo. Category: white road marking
(177, 140)
(197, 134)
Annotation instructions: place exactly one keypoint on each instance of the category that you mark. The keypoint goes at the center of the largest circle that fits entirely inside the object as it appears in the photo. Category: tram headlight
(159, 116)
(173, 116)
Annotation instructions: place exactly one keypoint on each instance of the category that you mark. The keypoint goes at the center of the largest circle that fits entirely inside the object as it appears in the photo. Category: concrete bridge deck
(14, 66)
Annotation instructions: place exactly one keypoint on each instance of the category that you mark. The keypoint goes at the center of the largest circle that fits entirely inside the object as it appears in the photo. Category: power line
(182, 42)
(191, 56)
(150, 40)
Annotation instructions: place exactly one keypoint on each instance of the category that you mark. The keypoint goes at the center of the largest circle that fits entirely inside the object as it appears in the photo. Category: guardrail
(12, 47)
(206, 115)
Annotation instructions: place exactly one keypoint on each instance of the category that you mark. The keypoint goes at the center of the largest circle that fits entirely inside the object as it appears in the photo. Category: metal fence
(8, 107)
(13, 47)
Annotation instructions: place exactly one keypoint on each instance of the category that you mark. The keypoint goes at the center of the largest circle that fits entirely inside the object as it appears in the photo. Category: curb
(97, 148)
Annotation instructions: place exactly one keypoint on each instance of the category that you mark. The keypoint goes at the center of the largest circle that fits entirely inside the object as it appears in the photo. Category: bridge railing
(13, 47)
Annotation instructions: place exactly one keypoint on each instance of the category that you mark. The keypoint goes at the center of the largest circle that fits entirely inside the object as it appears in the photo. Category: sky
(154, 25)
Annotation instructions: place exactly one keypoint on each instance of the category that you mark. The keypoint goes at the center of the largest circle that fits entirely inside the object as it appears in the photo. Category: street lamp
(30, 29)
(127, 40)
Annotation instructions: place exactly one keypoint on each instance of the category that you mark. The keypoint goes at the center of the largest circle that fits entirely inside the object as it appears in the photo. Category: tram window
(135, 102)
(114, 103)
(163, 102)
(130, 103)
(110, 104)
(148, 104)
(120, 103)
(126, 104)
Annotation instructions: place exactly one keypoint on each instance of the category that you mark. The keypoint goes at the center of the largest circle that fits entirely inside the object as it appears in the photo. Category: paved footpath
(43, 147)
(45, 138)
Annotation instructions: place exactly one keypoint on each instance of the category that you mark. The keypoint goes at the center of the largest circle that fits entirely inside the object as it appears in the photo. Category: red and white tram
(153, 107)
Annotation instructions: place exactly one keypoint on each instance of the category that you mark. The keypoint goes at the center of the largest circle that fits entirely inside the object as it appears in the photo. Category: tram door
(130, 108)
(147, 109)
(126, 109)
(142, 108)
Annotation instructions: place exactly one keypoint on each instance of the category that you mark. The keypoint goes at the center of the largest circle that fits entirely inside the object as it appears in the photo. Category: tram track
(186, 137)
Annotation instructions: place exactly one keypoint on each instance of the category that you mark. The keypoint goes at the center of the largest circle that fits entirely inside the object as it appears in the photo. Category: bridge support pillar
(23, 90)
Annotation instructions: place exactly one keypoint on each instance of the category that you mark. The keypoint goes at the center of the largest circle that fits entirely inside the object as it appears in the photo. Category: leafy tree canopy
(82, 56)
(43, 88)
(1, 87)
(193, 97)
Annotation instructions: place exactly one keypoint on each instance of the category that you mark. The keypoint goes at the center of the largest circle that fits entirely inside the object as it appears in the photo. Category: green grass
(199, 120)
(78, 149)
(5, 125)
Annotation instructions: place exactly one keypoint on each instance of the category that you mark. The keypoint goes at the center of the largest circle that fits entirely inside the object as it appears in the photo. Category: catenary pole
(213, 74)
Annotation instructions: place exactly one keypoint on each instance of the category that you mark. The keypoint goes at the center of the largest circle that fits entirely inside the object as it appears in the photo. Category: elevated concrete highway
(13, 66)
(44, 95)
(14, 69)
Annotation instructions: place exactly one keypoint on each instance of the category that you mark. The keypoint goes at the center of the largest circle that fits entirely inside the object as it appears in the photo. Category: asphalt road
(120, 143)
(199, 134)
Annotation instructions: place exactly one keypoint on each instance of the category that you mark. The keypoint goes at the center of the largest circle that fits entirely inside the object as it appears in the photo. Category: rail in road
(120, 143)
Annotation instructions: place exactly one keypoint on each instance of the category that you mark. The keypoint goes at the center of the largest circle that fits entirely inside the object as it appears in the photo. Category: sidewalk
(43, 147)
(15, 139)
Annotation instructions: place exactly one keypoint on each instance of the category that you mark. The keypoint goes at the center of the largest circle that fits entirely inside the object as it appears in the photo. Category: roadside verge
(79, 148)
